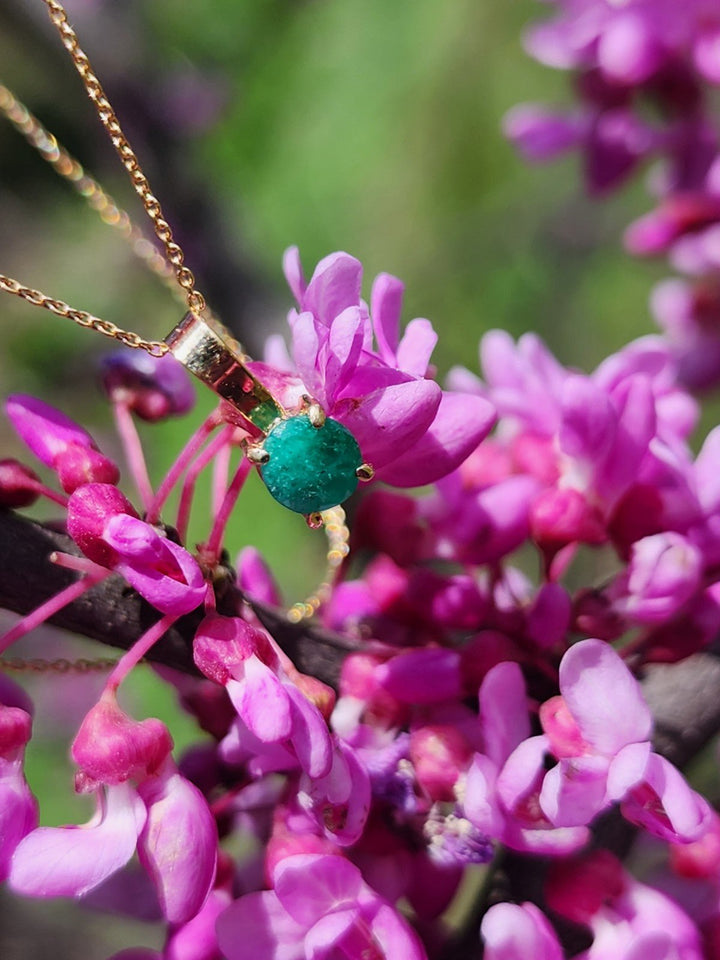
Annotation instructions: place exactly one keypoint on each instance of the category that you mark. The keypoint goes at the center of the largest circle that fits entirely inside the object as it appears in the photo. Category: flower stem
(214, 543)
(137, 651)
(134, 454)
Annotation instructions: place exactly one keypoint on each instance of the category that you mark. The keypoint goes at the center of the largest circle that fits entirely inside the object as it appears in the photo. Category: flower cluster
(646, 73)
(475, 710)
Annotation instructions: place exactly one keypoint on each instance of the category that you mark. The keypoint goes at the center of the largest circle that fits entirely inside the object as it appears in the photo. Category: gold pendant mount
(213, 356)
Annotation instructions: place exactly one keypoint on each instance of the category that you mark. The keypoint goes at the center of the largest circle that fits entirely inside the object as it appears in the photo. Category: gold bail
(213, 356)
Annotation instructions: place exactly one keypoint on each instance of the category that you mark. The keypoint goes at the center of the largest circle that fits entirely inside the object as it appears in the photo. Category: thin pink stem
(79, 564)
(49, 608)
(214, 542)
(137, 651)
(51, 494)
(134, 454)
(173, 475)
(221, 468)
(216, 445)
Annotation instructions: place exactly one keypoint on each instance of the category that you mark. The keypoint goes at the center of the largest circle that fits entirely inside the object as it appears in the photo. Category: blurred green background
(361, 125)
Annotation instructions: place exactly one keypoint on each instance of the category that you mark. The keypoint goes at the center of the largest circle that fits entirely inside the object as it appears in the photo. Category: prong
(365, 472)
(257, 454)
(314, 520)
(315, 413)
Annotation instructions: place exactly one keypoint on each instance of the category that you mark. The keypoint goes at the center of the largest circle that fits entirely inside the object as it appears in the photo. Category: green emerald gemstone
(310, 468)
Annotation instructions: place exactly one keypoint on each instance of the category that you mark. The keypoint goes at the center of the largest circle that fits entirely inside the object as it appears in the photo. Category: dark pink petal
(257, 926)
(636, 426)
(309, 886)
(255, 577)
(416, 347)
(45, 430)
(574, 791)
(514, 931)
(422, 676)
(292, 268)
(334, 286)
(262, 702)
(503, 711)
(385, 308)
(665, 805)
(338, 934)
(70, 861)
(178, 845)
(461, 423)
(593, 681)
(389, 421)
(339, 801)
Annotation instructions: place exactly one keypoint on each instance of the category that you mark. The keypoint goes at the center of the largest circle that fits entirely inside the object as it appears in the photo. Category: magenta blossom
(162, 815)
(604, 753)
(518, 931)
(407, 427)
(106, 528)
(319, 907)
(59, 443)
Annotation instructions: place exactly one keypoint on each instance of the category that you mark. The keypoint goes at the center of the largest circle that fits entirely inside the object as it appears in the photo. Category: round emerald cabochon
(310, 468)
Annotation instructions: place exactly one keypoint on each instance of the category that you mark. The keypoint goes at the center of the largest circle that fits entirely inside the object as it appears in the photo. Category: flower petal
(70, 861)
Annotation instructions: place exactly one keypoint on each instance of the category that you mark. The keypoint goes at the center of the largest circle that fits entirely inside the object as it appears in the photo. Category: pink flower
(604, 753)
(319, 907)
(406, 427)
(59, 443)
(164, 817)
(105, 527)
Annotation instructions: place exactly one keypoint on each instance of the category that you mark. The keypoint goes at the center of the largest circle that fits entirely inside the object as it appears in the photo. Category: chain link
(71, 170)
(61, 309)
(60, 666)
(106, 114)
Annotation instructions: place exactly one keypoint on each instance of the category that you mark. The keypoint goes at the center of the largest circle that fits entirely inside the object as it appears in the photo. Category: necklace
(308, 462)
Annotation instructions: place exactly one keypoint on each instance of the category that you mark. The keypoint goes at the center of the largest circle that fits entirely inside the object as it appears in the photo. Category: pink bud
(110, 747)
(562, 516)
(18, 484)
(78, 465)
(15, 731)
(89, 510)
(562, 730)
(255, 578)
(439, 754)
(222, 644)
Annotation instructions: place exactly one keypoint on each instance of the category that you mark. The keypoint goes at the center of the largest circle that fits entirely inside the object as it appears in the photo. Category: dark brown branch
(113, 614)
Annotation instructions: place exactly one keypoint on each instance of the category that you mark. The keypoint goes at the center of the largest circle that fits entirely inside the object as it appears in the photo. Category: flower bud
(154, 388)
(110, 747)
(18, 484)
(439, 754)
(89, 510)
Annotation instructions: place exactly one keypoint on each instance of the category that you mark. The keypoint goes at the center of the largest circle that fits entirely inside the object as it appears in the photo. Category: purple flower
(154, 388)
(319, 907)
(407, 428)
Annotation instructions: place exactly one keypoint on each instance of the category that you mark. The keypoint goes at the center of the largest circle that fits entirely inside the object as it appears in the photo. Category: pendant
(307, 461)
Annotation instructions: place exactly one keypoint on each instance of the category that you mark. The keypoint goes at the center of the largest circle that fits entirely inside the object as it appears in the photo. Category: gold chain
(155, 347)
(61, 665)
(71, 170)
(173, 252)
(337, 535)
